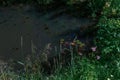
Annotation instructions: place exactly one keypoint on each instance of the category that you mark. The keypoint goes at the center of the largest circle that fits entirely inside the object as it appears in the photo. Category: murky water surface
(21, 26)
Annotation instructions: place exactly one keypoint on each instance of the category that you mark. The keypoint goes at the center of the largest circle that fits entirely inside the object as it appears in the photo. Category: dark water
(20, 27)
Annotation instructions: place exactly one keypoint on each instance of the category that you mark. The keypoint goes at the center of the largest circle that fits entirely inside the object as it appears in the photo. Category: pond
(23, 26)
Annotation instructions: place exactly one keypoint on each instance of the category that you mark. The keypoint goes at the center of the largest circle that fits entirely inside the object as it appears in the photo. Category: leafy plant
(111, 8)
(108, 36)
(95, 7)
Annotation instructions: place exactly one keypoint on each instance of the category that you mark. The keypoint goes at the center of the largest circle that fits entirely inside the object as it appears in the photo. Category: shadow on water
(21, 25)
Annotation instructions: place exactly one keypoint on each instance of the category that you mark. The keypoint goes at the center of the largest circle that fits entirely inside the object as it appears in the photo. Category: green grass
(82, 68)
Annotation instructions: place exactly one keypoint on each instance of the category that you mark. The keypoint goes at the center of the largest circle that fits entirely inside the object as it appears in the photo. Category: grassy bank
(81, 69)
